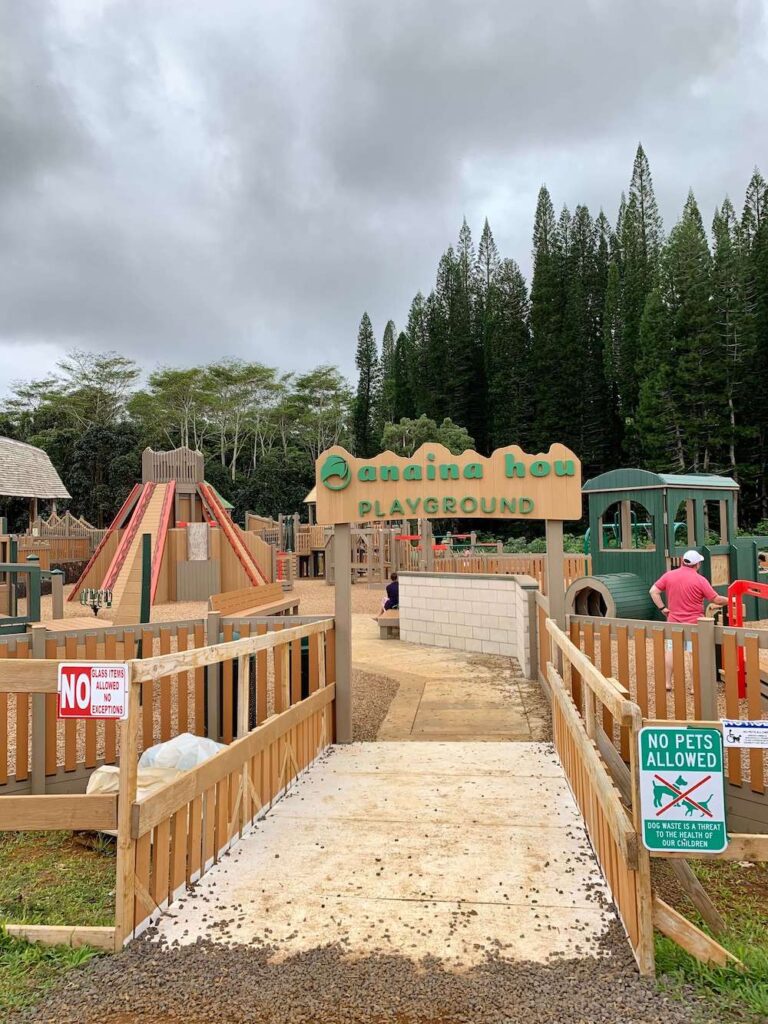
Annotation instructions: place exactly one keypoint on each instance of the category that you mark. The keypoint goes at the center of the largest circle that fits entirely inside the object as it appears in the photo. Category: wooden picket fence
(172, 836)
(596, 720)
(574, 566)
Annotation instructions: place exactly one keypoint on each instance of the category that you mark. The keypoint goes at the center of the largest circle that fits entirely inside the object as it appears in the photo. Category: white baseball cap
(692, 557)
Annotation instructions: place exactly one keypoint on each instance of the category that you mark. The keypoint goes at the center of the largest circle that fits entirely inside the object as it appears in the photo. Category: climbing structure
(196, 548)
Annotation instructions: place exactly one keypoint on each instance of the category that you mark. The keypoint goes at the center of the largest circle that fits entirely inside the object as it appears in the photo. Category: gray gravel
(208, 983)
(371, 696)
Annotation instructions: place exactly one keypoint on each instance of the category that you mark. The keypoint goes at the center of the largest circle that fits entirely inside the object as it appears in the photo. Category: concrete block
(457, 643)
(474, 645)
(480, 633)
(501, 635)
(510, 650)
(465, 631)
(489, 647)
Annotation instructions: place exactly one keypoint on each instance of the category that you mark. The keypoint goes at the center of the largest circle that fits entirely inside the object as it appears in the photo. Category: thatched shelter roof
(27, 472)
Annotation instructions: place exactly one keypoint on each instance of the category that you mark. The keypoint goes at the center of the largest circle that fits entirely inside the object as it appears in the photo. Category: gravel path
(371, 697)
(208, 983)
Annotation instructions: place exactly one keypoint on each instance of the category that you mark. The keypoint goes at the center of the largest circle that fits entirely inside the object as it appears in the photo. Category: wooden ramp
(453, 850)
(126, 590)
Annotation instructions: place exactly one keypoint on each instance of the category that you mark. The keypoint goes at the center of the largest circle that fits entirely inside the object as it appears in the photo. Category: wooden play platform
(269, 599)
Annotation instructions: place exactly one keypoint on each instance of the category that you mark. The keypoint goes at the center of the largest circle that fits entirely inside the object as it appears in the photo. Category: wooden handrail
(198, 657)
(625, 711)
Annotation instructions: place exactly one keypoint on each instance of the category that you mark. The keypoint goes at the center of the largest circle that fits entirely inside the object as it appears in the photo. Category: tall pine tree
(365, 412)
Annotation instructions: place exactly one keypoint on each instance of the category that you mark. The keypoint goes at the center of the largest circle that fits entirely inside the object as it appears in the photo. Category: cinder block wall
(482, 613)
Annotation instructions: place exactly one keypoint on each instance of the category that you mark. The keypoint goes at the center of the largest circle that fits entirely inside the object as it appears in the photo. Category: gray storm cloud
(182, 181)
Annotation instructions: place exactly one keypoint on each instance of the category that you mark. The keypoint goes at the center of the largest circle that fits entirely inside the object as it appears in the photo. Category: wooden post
(57, 594)
(555, 571)
(423, 540)
(707, 669)
(37, 777)
(213, 675)
(274, 564)
(626, 525)
(126, 847)
(343, 615)
(243, 694)
(644, 951)
(533, 631)
(430, 551)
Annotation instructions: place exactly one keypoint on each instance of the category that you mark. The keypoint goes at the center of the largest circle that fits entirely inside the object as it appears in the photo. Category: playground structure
(645, 522)
(182, 677)
(196, 548)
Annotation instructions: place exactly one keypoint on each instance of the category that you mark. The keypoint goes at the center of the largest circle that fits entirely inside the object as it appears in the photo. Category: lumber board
(64, 935)
(183, 661)
(623, 710)
(692, 939)
(600, 781)
(92, 812)
(29, 675)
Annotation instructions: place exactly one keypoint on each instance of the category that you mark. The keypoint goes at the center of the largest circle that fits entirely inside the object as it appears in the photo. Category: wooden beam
(741, 846)
(692, 939)
(94, 812)
(64, 935)
(160, 804)
(28, 675)
(126, 848)
(183, 661)
(697, 894)
(600, 781)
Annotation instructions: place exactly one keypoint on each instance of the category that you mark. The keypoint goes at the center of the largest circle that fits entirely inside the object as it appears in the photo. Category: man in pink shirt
(686, 593)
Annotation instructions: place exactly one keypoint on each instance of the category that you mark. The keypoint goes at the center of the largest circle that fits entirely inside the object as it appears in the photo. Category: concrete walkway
(452, 850)
(450, 695)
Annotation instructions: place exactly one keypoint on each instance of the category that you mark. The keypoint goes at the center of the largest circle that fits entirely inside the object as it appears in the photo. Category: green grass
(50, 878)
(27, 970)
(55, 878)
(734, 995)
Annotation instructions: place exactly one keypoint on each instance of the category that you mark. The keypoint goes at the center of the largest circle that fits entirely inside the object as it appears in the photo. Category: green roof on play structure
(226, 504)
(625, 479)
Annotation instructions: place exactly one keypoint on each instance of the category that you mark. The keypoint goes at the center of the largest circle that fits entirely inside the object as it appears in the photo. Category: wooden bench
(269, 599)
(389, 624)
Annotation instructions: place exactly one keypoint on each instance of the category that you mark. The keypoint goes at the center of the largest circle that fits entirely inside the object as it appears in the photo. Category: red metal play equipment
(737, 591)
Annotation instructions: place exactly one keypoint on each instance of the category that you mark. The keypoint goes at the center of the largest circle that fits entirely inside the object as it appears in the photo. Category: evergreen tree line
(633, 348)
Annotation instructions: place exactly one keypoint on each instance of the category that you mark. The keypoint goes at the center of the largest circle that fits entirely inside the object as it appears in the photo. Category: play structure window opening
(627, 526)
(715, 523)
(684, 525)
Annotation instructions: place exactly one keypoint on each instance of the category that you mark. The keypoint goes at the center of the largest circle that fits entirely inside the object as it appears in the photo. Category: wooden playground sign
(682, 798)
(92, 690)
(435, 484)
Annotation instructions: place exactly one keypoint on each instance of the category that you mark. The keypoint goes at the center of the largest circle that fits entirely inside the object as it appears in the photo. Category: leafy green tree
(403, 399)
(368, 390)
(405, 437)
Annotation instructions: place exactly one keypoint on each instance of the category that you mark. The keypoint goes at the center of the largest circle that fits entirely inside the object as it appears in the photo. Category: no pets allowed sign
(682, 793)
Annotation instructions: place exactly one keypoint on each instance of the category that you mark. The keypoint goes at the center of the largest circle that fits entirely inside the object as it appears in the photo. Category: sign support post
(343, 615)
(555, 570)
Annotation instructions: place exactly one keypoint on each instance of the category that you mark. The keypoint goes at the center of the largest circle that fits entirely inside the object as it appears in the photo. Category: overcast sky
(182, 180)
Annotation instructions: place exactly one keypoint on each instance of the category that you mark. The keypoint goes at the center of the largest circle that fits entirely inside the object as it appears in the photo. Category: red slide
(219, 515)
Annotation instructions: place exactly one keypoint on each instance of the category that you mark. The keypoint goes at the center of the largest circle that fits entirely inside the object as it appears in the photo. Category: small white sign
(745, 733)
(93, 690)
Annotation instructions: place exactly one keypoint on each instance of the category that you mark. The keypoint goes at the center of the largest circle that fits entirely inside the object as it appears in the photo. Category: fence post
(644, 951)
(707, 669)
(343, 616)
(274, 564)
(57, 594)
(213, 674)
(126, 846)
(37, 778)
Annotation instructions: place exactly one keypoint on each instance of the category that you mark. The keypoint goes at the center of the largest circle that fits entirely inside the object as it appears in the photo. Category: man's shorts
(688, 646)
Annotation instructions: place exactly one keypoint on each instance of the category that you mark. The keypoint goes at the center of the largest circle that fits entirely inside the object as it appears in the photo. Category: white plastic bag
(182, 752)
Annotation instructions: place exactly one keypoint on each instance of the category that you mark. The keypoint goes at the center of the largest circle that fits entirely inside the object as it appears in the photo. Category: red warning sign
(93, 690)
